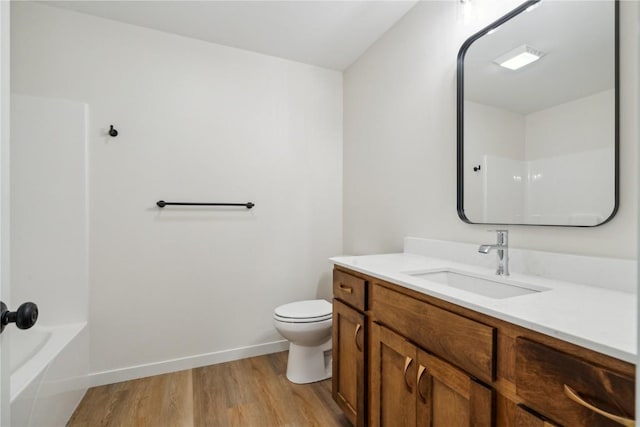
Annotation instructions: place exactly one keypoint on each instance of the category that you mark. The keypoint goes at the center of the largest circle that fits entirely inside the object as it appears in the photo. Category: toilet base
(309, 364)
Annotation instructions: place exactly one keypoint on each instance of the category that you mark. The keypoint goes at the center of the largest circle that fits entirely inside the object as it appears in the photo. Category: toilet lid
(316, 310)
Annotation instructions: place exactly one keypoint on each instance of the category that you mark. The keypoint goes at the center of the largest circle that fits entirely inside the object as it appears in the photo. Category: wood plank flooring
(249, 392)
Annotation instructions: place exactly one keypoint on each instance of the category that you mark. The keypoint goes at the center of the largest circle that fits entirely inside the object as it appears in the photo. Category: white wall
(197, 122)
(400, 139)
(49, 253)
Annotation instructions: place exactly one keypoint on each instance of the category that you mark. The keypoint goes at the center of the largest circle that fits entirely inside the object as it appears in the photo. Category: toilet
(307, 326)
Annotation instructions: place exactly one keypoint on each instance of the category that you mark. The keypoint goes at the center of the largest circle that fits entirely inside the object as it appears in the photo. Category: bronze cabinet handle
(573, 395)
(355, 336)
(421, 371)
(407, 363)
(346, 289)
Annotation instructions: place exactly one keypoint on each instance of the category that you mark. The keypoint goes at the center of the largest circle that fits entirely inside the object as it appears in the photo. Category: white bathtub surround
(49, 258)
(49, 208)
(198, 122)
(49, 373)
(600, 318)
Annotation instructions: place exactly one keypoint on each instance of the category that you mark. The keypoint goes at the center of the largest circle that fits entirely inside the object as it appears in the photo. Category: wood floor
(249, 392)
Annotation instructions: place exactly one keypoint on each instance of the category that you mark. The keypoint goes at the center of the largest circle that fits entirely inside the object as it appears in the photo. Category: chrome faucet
(502, 248)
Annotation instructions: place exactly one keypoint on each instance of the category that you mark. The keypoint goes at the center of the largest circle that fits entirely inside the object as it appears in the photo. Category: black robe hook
(112, 131)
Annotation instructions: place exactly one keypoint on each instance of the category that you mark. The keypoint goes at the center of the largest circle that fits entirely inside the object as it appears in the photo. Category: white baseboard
(173, 365)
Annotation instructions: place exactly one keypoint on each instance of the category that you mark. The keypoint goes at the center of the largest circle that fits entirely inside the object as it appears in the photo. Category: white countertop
(602, 320)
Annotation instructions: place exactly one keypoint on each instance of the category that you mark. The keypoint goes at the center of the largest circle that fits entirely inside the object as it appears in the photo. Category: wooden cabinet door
(526, 418)
(348, 385)
(447, 397)
(393, 373)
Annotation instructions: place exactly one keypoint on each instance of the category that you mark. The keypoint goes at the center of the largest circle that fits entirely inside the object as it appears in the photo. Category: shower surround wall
(534, 155)
(181, 287)
(49, 259)
(49, 262)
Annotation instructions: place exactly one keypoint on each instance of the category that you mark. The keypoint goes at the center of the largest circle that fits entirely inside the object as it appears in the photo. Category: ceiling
(330, 34)
(578, 41)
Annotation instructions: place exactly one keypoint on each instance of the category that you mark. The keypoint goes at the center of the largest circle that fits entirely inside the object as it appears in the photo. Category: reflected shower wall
(504, 186)
(561, 190)
(554, 166)
(570, 189)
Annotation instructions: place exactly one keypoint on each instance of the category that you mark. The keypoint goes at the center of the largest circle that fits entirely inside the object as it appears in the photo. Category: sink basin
(498, 289)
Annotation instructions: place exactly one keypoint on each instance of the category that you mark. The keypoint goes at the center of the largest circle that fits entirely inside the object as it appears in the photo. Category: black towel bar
(162, 204)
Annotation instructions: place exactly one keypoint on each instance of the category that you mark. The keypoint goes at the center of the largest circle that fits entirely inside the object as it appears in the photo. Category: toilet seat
(309, 311)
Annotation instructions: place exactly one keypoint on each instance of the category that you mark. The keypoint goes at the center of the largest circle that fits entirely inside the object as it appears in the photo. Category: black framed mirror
(537, 117)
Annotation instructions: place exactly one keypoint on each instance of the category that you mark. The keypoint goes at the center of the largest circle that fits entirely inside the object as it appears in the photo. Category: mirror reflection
(537, 117)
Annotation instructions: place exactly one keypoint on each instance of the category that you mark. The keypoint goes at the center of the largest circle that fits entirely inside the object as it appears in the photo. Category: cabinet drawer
(546, 376)
(463, 342)
(350, 289)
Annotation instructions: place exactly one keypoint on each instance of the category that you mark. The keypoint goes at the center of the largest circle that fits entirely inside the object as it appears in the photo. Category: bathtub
(49, 373)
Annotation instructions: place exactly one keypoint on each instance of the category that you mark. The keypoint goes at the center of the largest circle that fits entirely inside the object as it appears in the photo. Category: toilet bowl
(307, 327)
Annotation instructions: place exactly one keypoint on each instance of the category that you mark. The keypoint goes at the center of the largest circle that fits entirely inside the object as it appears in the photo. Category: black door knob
(24, 318)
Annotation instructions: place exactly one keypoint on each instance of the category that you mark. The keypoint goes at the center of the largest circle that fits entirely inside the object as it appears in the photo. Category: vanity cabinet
(526, 418)
(393, 378)
(465, 343)
(349, 340)
(571, 390)
(410, 387)
(425, 361)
